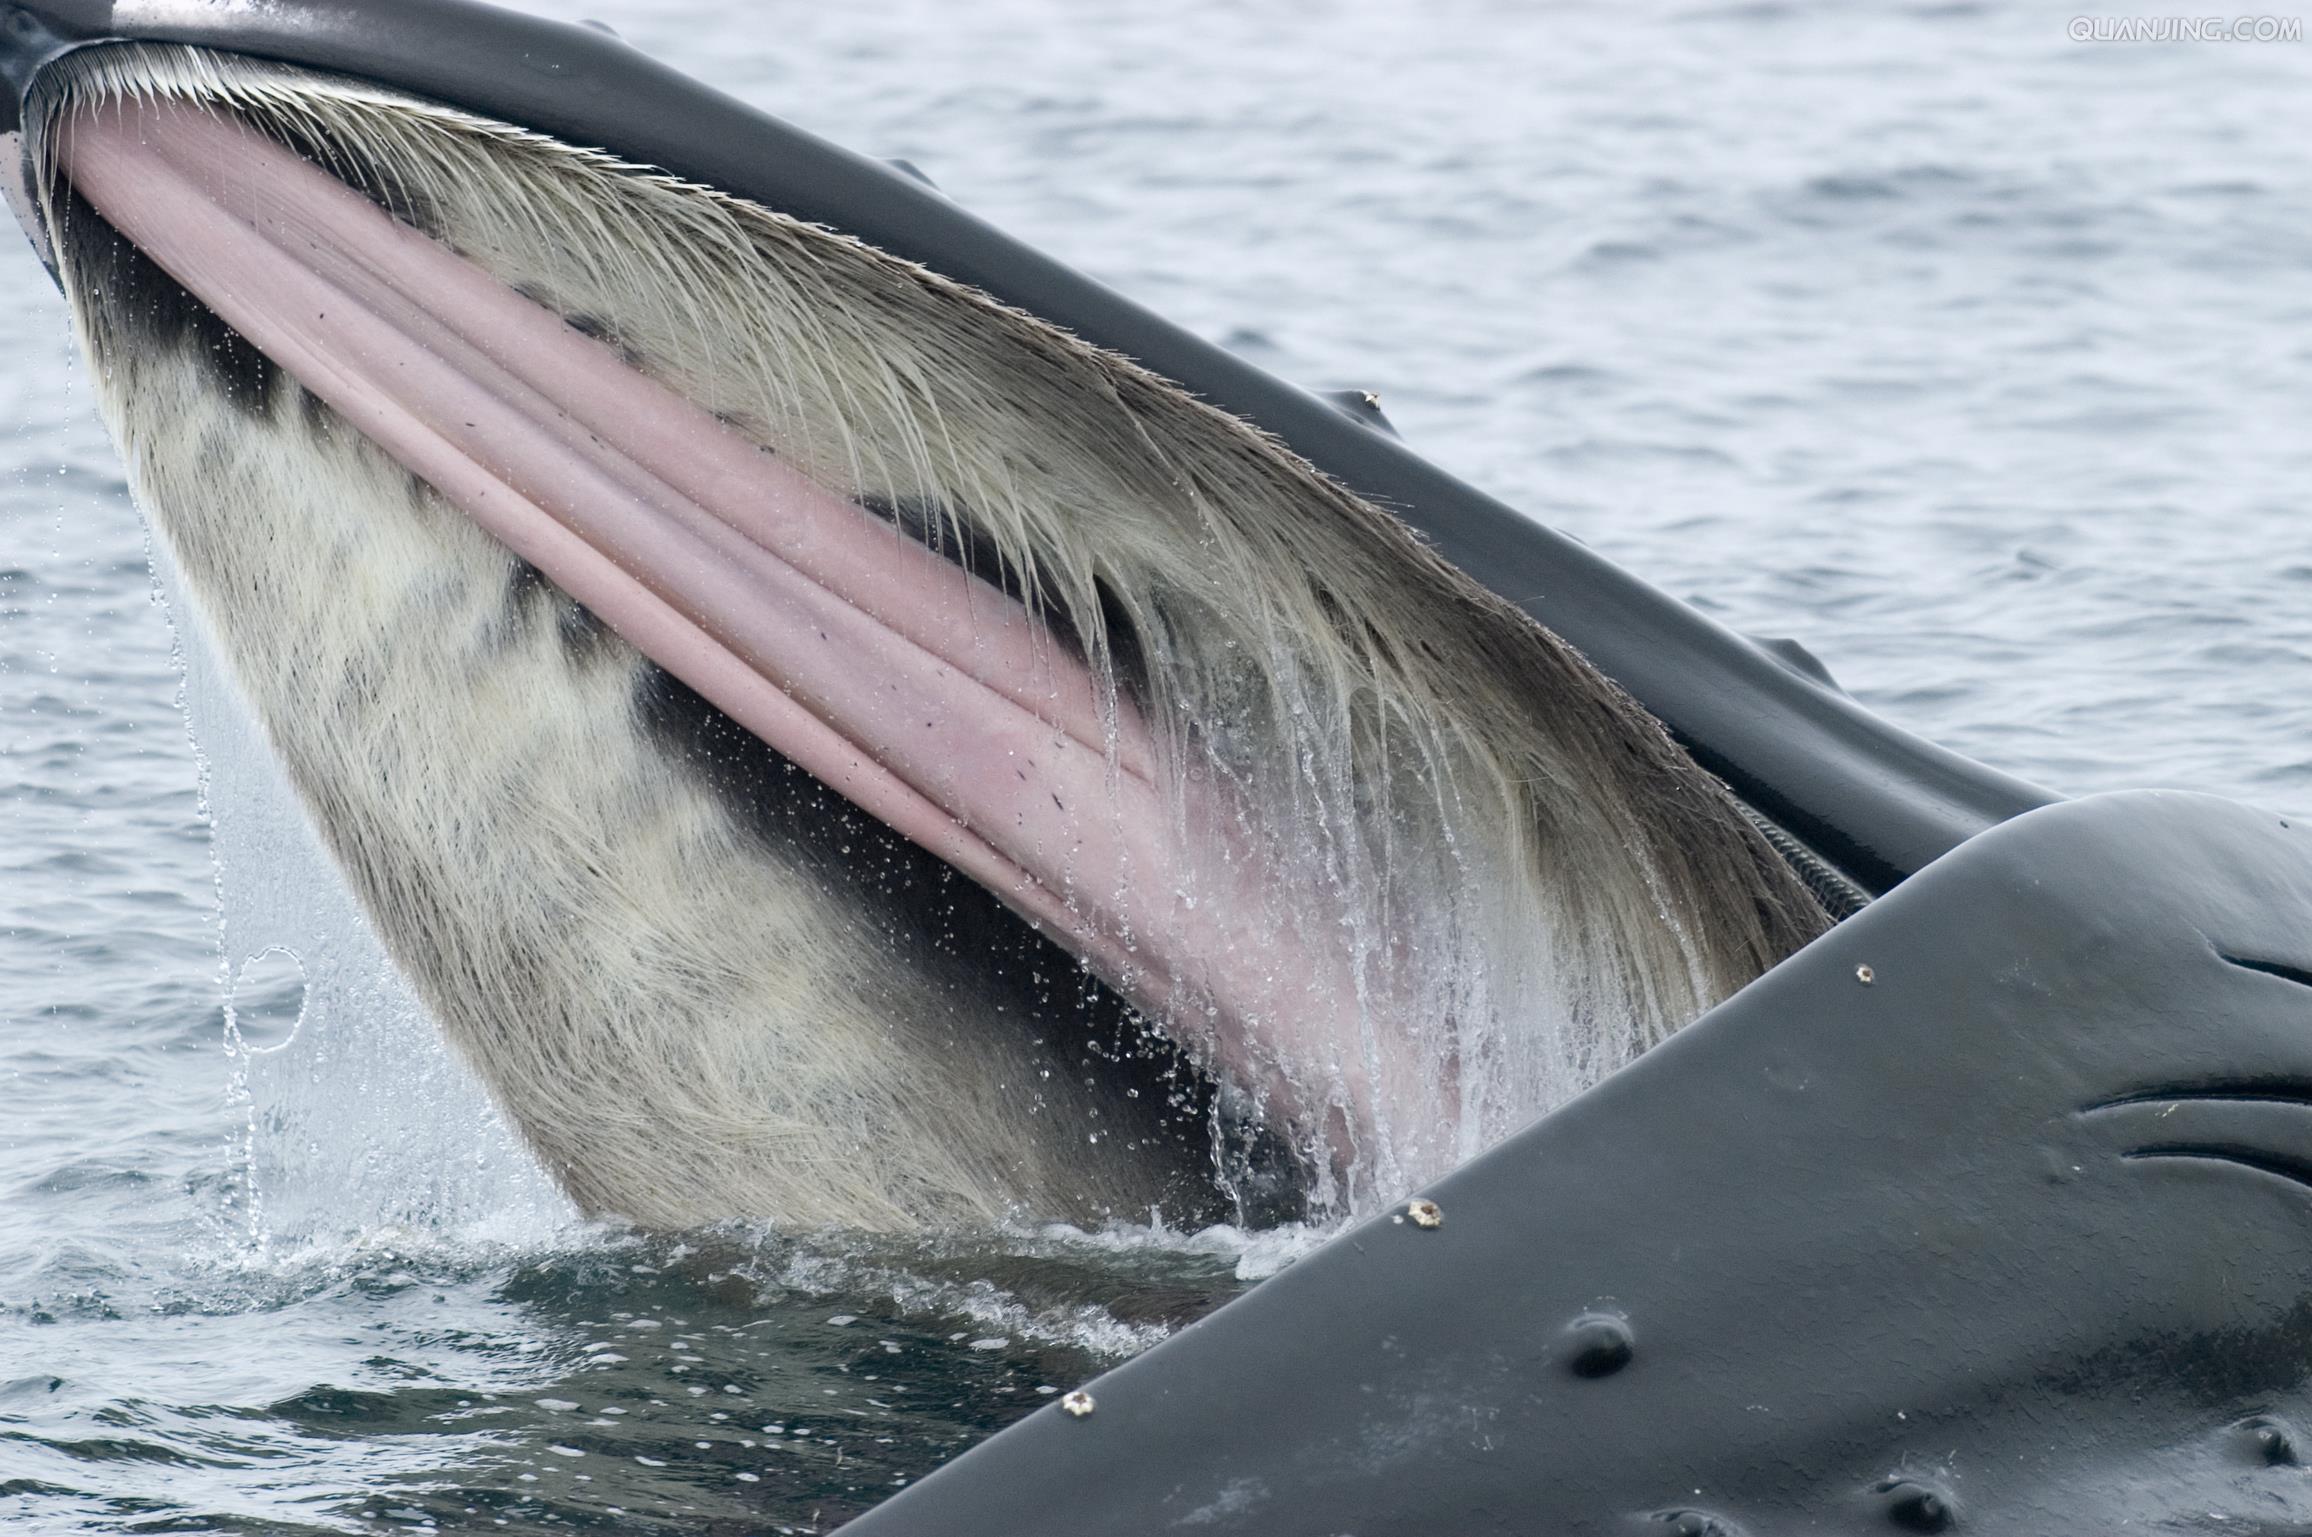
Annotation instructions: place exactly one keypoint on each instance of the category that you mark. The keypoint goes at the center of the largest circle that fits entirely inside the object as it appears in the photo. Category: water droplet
(266, 1003)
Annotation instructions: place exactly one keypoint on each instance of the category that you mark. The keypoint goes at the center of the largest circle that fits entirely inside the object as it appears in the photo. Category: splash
(353, 1117)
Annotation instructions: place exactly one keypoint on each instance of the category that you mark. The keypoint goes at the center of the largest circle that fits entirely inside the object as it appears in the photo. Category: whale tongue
(929, 698)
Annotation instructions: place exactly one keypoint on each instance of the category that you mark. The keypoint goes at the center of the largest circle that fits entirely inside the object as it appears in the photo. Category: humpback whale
(846, 721)
(829, 746)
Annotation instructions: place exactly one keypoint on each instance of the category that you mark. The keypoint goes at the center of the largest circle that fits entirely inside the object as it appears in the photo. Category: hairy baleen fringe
(1550, 882)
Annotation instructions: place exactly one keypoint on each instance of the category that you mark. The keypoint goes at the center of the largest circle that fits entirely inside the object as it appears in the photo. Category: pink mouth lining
(929, 698)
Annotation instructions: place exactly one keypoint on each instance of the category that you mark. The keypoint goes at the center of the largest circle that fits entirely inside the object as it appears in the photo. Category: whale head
(826, 744)
(1988, 1213)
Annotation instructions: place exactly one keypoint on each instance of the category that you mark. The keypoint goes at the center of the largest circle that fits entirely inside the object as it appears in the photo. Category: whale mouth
(1383, 865)
(927, 696)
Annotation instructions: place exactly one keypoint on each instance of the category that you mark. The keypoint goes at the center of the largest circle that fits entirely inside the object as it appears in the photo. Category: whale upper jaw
(1872, 800)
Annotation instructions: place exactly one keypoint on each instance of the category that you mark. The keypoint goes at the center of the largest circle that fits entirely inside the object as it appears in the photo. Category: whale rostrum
(2010, 1238)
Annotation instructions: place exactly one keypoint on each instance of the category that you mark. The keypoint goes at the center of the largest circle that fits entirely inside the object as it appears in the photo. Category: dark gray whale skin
(2015, 1238)
(1990, 1211)
(1873, 800)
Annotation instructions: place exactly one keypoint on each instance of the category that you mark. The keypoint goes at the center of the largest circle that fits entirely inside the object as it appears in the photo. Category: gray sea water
(1974, 357)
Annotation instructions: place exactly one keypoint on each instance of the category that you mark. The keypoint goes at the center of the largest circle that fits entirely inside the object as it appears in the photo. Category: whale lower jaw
(829, 748)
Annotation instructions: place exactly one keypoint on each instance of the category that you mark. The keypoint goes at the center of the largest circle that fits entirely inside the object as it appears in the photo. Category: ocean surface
(1973, 357)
